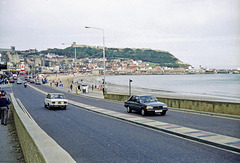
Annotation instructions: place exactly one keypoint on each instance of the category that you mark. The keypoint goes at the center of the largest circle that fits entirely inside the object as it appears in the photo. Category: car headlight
(165, 106)
(149, 107)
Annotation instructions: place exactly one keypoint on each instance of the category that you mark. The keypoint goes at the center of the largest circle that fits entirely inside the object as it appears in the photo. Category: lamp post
(104, 64)
(130, 91)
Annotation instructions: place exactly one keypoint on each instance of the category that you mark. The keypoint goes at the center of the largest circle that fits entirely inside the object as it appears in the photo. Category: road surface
(91, 137)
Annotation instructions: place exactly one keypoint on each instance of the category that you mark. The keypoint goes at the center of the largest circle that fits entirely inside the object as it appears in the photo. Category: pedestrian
(0, 109)
(71, 87)
(4, 102)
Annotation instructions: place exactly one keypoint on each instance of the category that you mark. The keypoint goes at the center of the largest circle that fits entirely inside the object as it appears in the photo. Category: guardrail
(36, 145)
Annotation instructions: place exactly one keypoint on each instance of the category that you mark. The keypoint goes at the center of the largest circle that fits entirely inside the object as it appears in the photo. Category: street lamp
(104, 64)
(130, 91)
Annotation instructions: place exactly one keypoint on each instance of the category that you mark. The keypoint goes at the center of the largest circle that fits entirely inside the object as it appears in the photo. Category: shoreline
(92, 80)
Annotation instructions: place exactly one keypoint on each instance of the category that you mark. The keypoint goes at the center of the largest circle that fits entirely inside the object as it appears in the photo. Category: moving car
(55, 100)
(32, 81)
(145, 104)
(19, 81)
(14, 76)
(11, 80)
(38, 82)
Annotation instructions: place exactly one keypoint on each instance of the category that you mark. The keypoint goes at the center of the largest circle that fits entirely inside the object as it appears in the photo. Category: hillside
(162, 58)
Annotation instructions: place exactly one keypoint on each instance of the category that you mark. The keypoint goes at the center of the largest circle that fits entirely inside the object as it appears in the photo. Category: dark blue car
(145, 104)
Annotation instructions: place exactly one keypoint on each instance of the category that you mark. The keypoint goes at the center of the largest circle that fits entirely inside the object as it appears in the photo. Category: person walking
(4, 102)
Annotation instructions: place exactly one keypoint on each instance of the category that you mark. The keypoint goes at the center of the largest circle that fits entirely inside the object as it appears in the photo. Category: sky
(198, 32)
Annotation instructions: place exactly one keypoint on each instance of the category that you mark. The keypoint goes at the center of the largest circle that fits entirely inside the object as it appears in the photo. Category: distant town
(14, 61)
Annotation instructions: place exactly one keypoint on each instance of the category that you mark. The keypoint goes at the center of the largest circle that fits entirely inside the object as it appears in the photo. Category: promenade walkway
(6, 146)
(92, 93)
(9, 149)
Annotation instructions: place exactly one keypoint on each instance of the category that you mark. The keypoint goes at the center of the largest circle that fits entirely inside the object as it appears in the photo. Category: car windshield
(58, 97)
(145, 99)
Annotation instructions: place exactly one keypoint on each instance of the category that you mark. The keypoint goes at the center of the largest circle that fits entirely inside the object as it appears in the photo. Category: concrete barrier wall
(36, 145)
(199, 105)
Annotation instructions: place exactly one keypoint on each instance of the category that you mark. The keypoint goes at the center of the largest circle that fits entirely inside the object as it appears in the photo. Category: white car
(55, 100)
(19, 81)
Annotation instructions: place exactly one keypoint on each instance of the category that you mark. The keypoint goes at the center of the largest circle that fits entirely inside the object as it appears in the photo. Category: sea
(217, 87)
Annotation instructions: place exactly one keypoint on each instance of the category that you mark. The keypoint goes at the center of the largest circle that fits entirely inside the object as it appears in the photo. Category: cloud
(170, 25)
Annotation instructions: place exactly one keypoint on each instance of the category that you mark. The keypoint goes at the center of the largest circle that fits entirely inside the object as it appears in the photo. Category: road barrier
(36, 145)
(198, 105)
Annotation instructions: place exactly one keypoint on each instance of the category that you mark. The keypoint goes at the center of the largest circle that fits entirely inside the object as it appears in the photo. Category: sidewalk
(94, 94)
(9, 149)
(8, 145)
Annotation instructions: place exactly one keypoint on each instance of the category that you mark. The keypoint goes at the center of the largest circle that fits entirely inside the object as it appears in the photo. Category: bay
(217, 87)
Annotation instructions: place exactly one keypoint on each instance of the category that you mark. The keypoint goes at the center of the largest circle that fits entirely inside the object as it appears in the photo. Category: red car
(11, 80)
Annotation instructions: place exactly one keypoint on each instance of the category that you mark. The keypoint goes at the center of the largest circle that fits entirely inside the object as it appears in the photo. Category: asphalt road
(90, 137)
(224, 126)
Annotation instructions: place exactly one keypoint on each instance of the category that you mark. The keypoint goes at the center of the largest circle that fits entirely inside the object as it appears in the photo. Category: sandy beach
(75, 80)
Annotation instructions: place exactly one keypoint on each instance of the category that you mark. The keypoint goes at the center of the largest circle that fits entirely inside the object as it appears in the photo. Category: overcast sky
(198, 32)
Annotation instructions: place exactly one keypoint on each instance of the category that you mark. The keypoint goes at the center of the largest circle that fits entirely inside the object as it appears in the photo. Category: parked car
(19, 81)
(55, 100)
(145, 104)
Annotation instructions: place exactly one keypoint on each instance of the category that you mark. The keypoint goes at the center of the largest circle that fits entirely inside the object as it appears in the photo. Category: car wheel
(49, 107)
(45, 105)
(129, 110)
(143, 112)
(163, 113)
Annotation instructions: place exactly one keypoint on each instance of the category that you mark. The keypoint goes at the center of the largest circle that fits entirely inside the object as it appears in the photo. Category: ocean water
(221, 87)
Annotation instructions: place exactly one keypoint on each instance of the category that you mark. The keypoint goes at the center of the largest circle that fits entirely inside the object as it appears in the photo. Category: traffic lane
(85, 100)
(90, 137)
(223, 126)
